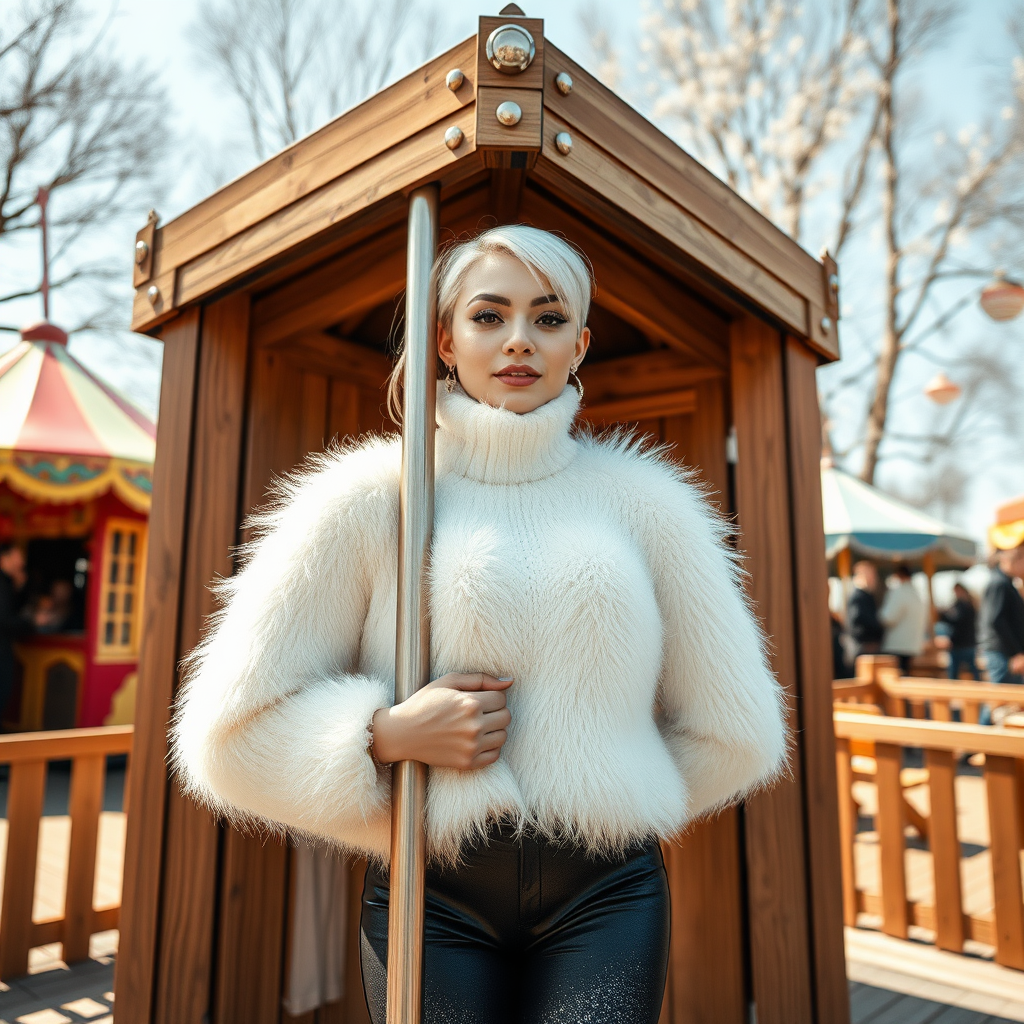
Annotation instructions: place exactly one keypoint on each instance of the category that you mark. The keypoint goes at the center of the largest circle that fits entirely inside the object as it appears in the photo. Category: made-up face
(511, 340)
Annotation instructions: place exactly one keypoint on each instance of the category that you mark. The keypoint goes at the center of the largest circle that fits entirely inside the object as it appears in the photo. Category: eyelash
(549, 319)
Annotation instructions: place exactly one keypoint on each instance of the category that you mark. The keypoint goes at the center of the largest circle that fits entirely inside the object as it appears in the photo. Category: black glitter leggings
(528, 932)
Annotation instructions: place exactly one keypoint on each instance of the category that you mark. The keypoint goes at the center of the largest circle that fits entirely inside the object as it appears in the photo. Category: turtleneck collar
(497, 446)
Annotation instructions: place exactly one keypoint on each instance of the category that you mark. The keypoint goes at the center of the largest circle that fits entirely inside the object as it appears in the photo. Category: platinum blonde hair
(548, 256)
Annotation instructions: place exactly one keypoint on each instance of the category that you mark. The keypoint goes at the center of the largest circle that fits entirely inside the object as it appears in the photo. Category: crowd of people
(896, 621)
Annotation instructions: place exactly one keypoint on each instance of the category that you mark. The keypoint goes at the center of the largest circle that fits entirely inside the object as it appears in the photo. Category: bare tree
(809, 113)
(292, 65)
(77, 120)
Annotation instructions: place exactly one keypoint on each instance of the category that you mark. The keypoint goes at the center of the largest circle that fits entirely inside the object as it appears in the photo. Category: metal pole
(42, 197)
(412, 651)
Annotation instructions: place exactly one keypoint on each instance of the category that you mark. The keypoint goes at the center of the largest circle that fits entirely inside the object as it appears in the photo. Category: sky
(957, 77)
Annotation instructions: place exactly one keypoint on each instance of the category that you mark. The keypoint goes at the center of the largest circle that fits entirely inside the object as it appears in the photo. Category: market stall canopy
(874, 525)
(65, 436)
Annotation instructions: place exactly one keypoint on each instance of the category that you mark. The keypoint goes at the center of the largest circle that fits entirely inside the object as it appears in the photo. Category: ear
(445, 345)
(582, 344)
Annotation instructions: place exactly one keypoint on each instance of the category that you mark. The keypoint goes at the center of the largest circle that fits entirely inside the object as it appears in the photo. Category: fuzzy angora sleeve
(722, 709)
(273, 722)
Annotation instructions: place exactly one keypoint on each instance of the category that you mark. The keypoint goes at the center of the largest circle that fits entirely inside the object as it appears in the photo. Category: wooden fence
(27, 756)
(884, 739)
(899, 695)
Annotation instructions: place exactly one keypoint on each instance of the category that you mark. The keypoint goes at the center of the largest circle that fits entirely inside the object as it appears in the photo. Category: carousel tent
(861, 519)
(65, 436)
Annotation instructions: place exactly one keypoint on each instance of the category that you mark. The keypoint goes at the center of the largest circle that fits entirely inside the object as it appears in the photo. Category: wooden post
(945, 847)
(847, 830)
(134, 984)
(776, 840)
(1004, 834)
(891, 821)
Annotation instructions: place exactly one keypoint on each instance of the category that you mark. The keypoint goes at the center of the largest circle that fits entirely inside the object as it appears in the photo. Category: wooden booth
(275, 298)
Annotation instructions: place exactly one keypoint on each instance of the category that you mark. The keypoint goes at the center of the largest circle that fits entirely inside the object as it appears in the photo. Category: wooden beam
(413, 103)
(335, 357)
(645, 374)
(780, 940)
(157, 672)
(596, 112)
(635, 290)
(192, 837)
(814, 662)
(641, 407)
(364, 275)
(591, 171)
(353, 283)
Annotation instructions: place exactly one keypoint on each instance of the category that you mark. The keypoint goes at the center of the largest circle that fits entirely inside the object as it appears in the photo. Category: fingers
(494, 720)
(490, 700)
(473, 681)
(493, 740)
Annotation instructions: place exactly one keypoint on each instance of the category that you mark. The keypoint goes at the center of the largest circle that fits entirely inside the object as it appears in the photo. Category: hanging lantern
(941, 390)
(1003, 299)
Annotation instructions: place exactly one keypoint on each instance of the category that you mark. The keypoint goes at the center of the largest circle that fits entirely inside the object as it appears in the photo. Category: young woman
(598, 679)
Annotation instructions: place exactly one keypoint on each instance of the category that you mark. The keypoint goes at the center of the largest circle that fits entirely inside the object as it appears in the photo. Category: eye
(487, 316)
(552, 318)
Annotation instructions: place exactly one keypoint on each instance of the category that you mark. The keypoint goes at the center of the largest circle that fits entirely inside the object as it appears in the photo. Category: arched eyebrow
(498, 300)
(544, 300)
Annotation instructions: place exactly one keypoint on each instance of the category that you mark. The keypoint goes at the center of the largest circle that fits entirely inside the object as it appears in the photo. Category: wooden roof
(624, 182)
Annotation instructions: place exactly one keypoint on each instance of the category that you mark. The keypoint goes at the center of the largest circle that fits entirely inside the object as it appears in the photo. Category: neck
(497, 446)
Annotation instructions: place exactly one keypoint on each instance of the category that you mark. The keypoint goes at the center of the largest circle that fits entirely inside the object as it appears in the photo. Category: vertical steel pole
(412, 652)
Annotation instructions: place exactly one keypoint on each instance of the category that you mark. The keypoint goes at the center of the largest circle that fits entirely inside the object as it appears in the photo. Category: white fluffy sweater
(591, 571)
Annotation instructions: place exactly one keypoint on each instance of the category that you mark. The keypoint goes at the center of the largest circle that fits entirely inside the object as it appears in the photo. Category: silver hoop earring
(450, 380)
(576, 382)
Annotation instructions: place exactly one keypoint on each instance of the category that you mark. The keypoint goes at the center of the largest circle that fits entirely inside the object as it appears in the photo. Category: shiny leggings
(524, 931)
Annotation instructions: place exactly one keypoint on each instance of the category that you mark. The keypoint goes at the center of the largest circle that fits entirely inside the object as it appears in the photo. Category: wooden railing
(28, 755)
(942, 743)
(897, 694)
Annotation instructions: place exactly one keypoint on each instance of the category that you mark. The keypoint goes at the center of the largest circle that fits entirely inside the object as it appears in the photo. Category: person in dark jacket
(13, 624)
(959, 620)
(1002, 619)
(864, 631)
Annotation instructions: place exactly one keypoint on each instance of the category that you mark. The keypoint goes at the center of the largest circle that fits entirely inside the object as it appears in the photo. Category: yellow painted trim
(115, 476)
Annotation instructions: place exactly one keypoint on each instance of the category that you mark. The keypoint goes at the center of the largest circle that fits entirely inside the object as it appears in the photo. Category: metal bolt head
(563, 83)
(509, 113)
(563, 141)
(454, 79)
(153, 294)
(141, 252)
(510, 48)
(826, 324)
(833, 282)
(453, 137)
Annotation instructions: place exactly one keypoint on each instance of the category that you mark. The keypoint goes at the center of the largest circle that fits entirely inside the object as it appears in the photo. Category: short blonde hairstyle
(548, 256)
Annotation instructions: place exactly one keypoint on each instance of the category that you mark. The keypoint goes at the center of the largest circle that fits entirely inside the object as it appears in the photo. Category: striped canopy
(876, 526)
(64, 434)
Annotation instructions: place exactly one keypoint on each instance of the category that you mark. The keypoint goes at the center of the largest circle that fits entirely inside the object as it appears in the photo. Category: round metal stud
(510, 48)
(153, 294)
(509, 113)
(453, 137)
(454, 79)
(563, 140)
(833, 282)
(141, 252)
(563, 83)
(826, 324)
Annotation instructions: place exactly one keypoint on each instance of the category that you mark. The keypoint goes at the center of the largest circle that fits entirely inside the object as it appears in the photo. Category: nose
(519, 342)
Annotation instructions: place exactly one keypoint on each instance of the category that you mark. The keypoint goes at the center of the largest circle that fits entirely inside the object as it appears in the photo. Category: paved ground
(61, 995)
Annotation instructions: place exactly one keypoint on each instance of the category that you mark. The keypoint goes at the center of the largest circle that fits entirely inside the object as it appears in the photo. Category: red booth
(75, 481)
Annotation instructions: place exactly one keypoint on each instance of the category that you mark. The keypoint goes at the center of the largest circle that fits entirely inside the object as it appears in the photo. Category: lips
(516, 375)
